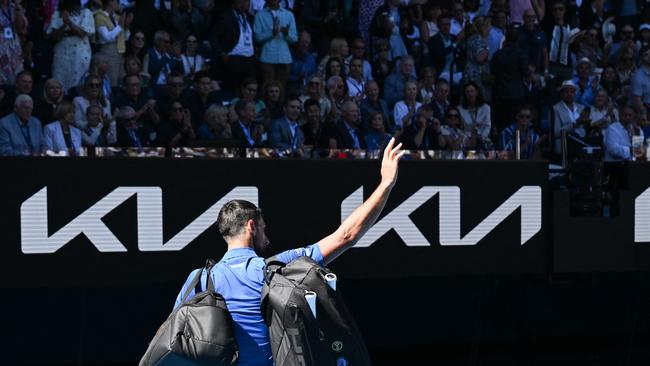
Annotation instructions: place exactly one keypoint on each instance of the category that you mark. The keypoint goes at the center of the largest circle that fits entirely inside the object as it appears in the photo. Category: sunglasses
(526, 116)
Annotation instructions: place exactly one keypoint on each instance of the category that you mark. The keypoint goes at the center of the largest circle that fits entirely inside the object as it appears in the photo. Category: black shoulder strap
(196, 281)
(273, 265)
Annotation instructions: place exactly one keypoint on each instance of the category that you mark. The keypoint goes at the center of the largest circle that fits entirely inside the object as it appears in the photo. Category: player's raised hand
(392, 155)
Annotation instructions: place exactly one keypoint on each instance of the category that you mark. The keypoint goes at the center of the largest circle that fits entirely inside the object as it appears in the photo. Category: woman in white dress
(91, 94)
(475, 113)
(70, 28)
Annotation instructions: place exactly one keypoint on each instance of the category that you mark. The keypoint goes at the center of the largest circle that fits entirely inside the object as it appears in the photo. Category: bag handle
(273, 265)
(196, 281)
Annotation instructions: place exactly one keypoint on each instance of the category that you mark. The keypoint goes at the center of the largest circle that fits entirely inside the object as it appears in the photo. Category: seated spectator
(355, 81)
(20, 133)
(569, 115)
(176, 128)
(316, 132)
(376, 138)
(338, 49)
(334, 67)
(91, 94)
(337, 95)
(131, 133)
(46, 105)
(603, 112)
(62, 135)
(453, 134)
(133, 66)
(424, 133)
(626, 40)
(173, 90)
(640, 87)
(394, 83)
(274, 30)
(133, 96)
(477, 67)
(24, 85)
(348, 135)
(248, 91)
(610, 82)
(534, 85)
(99, 132)
(159, 61)
(440, 102)
(459, 19)
(618, 139)
(135, 47)
(427, 85)
(587, 83)
(191, 60)
(429, 25)
(303, 64)
(529, 140)
(285, 132)
(588, 46)
(382, 66)
(202, 96)
(405, 109)
(273, 96)
(644, 37)
(373, 103)
(625, 67)
(358, 50)
(99, 66)
(245, 129)
(215, 126)
(314, 91)
(475, 113)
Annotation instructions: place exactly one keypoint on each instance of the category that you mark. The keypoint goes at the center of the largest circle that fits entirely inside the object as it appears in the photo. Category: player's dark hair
(234, 215)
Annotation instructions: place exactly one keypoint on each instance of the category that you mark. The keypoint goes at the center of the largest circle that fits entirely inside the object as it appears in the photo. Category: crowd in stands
(328, 74)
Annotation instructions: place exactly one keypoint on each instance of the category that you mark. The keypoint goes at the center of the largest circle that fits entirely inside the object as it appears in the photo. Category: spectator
(303, 65)
(201, 97)
(176, 129)
(99, 132)
(316, 132)
(334, 67)
(173, 90)
(132, 96)
(429, 26)
(15, 24)
(618, 139)
(191, 60)
(426, 86)
(509, 67)
(112, 31)
(338, 49)
(529, 140)
(285, 132)
(158, 62)
(348, 134)
(51, 98)
(644, 36)
(394, 83)
(273, 97)
(533, 40)
(133, 66)
(440, 103)
(497, 31)
(20, 133)
(376, 138)
(625, 68)
(319, 18)
(99, 67)
(24, 85)
(592, 14)
(337, 95)
(373, 103)
(559, 35)
(314, 91)
(382, 66)
(245, 130)
(442, 51)
(475, 113)
(453, 135)
(91, 94)
(588, 83)
(640, 88)
(477, 67)
(568, 115)
(215, 126)
(275, 29)
(356, 81)
(70, 27)
(610, 82)
(603, 112)
(405, 109)
(358, 51)
(130, 133)
(424, 133)
(588, 46)
(613, 49)
(61, 135)
(136, 46)
(248, 91)
(459, 19)
(386, 24)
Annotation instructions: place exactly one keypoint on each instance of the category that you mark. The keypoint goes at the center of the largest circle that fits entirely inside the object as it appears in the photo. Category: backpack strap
(273, 265)
(196, 281)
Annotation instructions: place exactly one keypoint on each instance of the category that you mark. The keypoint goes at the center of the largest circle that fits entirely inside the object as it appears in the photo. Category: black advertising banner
(150, 221)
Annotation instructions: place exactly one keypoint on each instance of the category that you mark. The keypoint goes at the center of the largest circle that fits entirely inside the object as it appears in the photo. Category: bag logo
(337, 346)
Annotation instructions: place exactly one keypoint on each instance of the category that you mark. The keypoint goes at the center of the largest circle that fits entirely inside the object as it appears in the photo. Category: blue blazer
(12, 140)
(280, 137)
(55, 141)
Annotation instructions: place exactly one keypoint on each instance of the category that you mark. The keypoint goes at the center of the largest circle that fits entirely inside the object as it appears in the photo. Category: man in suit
(285, 132)
(442, 50)
(232, 44)
(129, 132)
(394, 83)
(20, 133)
(244, 129)
(569, 116)
(348, 133)
(159, 63)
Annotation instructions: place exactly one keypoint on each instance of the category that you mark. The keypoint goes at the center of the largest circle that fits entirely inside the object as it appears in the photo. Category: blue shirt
(239, 278)
(507, 140)
(275, 48)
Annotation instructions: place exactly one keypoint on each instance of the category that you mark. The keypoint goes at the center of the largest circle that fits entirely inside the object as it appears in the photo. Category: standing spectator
(14, 23)
(497, 31)
(158, 62)
(176, 128)
(62, 135)
(475, 113)
(319, 18)
(533, 40)
(588, 46)
(592, 14)
(373, 103)
(618, 139)
(303, 65)
(112, 31)
(70, 27)
(405, 109)
(136, 46)
(459, 19)
(529, 140)
(191, 60)
(477, 68)
(275, 28)
(201, 97)
(603, 112)
(51, 98)
(215, 126)
(98, 132)
(348, 134)
(356, 81)
(359, 50)
(382, 66)
(285, 131)
(91, 94)
(429, 26)
(640, 88)
(560, 35)
(442, 51)
(509, 67)
(376, 138)
(568, 115)
(644, 36)
(244, 129)
(613, 49)
(518, 10)
(386, 24)
(394, 83)
(20, 133)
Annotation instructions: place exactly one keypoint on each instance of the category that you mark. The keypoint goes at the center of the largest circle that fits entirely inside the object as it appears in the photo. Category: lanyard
(247, 132)
(24, 128)
(293, 129)
(135, 138)
(243, 24)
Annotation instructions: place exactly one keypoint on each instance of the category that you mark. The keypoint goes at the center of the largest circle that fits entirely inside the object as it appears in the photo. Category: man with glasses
(158, 62)
(132, 96)
(348, 133)
(560, 35)
(130, 133)
(201, 97)
(358, 50)
(529, 140)
(626, 40)
(303, 64)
